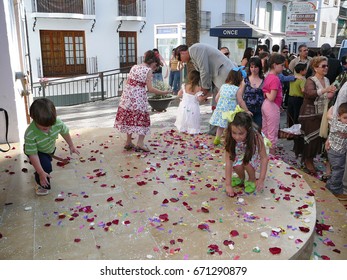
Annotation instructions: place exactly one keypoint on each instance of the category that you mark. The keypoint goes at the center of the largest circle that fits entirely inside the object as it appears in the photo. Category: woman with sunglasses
(317, 94)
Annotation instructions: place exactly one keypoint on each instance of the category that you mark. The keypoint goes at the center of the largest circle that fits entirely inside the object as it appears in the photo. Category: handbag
(324, 125)
(6, 132)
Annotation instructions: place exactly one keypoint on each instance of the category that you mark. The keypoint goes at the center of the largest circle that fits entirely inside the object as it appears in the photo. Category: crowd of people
(247, 99)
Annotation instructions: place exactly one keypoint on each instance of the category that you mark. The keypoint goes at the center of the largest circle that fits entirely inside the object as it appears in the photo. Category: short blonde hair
(315, 61)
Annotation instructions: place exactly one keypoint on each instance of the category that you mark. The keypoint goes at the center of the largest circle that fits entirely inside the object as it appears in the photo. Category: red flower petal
(234, 233)
(228, 242)
(155, 192)
(174, 199)
(325, 257)
(119, 202)
(203, 227)
(77, 240)
(275, 250)
(58, 199)
(165, 201)
(110, 199)
(205, 210)
(304, 229)
(164, 217)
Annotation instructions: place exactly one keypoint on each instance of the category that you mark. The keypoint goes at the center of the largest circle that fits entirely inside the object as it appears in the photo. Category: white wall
(329, 14)
(10, 56)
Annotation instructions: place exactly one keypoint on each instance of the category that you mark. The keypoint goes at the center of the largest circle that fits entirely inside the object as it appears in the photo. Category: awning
(238, 29)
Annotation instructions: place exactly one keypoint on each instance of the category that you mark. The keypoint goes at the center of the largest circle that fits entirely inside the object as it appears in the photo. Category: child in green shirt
(40, 138)
(296, 94)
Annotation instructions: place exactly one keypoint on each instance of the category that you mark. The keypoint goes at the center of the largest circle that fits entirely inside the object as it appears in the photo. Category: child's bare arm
(330, 113)
(228, 174)
(68, 140)
(180, 93)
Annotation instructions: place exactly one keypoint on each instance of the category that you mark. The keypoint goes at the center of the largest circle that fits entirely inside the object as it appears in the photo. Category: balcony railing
(343, 12)
(132, 8)
(229, 17)
(84, 7)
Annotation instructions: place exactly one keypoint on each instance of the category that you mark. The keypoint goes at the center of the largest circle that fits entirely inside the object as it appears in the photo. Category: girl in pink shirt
(270, 109)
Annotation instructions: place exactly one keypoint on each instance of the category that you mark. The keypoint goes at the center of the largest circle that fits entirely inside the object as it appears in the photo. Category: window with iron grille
(268, 16)
(205, 20)
(333, 30)
(63, 53)
(324, 29)
(284, 18)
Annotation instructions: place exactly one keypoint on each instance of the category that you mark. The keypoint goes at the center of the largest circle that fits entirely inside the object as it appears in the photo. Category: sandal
(236, 181)
(129, 147)
(142, 149)
(249, 187)
(41, 191)
(325, 178)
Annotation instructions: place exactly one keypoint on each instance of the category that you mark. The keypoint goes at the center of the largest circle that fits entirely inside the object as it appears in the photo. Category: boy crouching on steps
(40, 138)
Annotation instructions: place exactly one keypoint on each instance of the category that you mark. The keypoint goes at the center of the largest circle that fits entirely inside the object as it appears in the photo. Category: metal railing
(85, 7)
(132, 8)
(82, 89)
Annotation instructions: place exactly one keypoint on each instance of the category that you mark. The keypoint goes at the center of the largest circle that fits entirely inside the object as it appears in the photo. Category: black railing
(134, 8)
(82, 89)
(84, 7)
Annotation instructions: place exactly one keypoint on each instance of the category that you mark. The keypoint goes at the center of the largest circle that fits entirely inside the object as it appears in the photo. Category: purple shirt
(272, 82)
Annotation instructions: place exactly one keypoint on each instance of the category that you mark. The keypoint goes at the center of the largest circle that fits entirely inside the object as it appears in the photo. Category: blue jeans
(337, 162)
(46, 163)
(174, 80)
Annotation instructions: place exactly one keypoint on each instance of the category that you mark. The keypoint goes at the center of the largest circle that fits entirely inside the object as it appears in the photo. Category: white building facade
(49, 39)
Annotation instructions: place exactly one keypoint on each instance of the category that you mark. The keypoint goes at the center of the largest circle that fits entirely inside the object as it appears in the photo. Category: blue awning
(238, 29)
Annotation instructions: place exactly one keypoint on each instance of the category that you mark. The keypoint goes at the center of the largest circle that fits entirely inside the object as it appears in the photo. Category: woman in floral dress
(132, 115)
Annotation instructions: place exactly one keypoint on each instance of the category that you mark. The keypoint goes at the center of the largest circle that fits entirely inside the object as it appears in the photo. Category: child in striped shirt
(40, 138)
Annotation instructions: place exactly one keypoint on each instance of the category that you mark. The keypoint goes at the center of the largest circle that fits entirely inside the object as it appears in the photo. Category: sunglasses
(324, 66)
(226, 54)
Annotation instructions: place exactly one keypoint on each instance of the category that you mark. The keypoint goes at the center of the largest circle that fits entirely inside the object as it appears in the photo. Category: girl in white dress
(188, 112)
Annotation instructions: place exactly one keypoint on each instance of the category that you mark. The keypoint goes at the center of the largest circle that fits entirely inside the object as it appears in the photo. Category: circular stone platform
(167, 204)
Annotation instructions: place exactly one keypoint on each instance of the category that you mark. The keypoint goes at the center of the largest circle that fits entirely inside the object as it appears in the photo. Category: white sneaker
(41, 191)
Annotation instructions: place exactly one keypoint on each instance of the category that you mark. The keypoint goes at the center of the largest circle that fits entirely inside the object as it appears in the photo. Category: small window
(324, 29)
(326, 2)
(336, 3)
(205, 20)
(333, 30)
(268, 16)
(284, 19)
